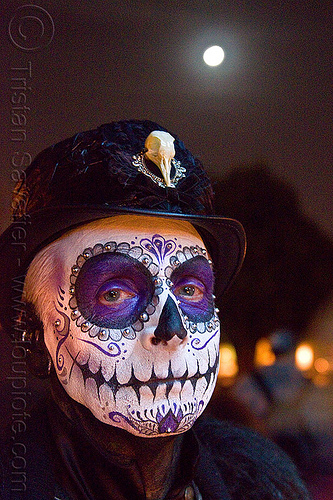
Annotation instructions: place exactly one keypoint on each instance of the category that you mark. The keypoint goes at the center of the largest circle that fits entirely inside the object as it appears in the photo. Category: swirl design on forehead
(158, 246)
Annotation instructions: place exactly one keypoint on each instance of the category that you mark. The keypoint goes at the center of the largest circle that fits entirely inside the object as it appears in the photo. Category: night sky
(270, 101)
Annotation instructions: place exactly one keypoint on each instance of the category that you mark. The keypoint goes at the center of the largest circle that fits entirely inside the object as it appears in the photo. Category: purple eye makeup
(193, 285)
(112, 290)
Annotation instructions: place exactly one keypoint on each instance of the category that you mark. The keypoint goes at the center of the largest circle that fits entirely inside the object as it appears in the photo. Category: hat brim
(224, 238)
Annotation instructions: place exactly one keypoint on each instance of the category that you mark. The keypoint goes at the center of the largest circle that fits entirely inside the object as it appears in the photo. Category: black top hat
(104, 172)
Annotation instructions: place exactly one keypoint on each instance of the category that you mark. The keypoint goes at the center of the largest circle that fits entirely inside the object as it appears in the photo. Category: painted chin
(163, 414)
(155, 407)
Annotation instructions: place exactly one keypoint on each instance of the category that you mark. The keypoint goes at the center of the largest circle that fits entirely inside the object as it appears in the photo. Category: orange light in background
(264, 356)
(228, 361)
(304, 357)
(321, 365)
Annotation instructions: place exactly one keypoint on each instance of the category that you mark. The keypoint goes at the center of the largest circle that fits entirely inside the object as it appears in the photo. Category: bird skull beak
(165, 167)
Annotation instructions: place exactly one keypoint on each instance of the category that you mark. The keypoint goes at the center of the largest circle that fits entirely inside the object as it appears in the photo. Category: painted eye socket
(193, 285)
(113, 289)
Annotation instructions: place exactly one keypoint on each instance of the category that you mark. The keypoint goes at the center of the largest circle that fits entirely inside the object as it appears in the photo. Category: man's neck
(156, 459)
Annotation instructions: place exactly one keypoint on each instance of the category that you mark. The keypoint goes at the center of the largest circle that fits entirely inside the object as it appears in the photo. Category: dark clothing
(63, 457)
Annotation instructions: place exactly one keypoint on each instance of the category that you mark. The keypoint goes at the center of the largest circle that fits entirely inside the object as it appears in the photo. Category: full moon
(213, 56)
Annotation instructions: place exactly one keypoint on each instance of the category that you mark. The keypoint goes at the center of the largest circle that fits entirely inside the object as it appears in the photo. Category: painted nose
(170, 323)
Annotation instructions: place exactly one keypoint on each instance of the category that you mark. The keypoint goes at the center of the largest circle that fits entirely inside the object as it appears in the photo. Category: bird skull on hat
(161, 150)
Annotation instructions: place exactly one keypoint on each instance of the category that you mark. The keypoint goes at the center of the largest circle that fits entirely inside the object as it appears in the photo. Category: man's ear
(38, 359)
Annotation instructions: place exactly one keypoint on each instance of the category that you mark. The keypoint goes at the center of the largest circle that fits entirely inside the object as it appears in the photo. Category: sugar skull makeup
(128, 311)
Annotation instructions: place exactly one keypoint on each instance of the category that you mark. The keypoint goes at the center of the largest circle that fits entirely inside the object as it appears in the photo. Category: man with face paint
(122, 256)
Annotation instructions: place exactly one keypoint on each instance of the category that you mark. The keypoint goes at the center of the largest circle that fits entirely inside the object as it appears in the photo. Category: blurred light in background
(322, 365)
(304, 357)
(213, 56)
(228, 361)
(263, 355)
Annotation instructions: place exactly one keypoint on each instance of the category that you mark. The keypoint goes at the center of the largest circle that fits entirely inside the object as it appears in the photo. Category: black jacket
(223, 462)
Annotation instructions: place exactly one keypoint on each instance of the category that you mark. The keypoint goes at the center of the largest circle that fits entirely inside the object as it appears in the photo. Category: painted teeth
(171, 383)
